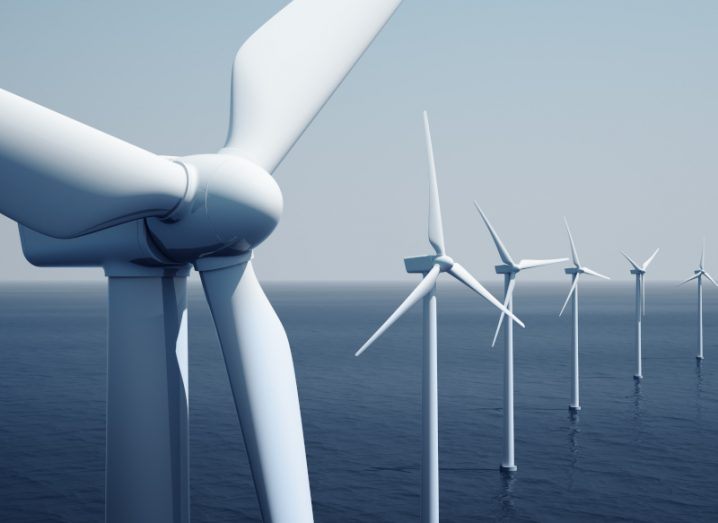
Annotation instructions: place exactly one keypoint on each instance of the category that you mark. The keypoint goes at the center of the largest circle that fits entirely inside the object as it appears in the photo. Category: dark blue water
(645, 452)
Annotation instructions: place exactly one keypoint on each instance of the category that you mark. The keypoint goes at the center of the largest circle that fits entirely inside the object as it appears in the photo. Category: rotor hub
(231, 206)
(444, 262)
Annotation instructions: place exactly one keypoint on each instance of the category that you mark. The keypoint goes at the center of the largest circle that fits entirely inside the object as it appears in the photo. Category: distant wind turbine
(640, 271)
(698, 276)
(575, 272)
(510, 270)
(431, 266)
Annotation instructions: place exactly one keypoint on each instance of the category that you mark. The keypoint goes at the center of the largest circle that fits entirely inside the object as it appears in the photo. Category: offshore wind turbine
(575, 271)
(639, 271)
(431, 267)
(85, 198)
(698, 276)
(510, 269)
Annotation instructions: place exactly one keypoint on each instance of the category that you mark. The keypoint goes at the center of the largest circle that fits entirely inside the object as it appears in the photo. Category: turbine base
(637, 377)
(507, 469)
(574, 408)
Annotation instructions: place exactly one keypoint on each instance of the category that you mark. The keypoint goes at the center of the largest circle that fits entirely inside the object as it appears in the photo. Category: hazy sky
(603, 111)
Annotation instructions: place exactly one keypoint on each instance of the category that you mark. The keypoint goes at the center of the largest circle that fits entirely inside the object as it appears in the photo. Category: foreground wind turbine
(510, 270)
(640, 271)
(431, 266)
(575, 272)
(698, 276)
(85, 198)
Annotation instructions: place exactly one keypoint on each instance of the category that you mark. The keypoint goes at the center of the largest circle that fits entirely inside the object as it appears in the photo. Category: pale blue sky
(603, 111)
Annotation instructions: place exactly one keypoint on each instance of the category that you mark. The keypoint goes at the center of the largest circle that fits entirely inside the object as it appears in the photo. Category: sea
(643, 451)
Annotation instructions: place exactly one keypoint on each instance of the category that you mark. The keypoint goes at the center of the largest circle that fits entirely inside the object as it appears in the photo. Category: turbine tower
(575, 272)
(430, 267)
(510, 270)
(698, 276)
(639, 271)
(85, 198)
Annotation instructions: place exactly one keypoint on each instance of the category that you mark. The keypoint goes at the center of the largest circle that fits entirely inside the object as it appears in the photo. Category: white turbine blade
(635, 265)
(261, 374)
(594, 273)
(703, 253)
(65, 179)
(287, 70)
(691, 278)
(574, 253)
(507, 301)
(503, 251)
(710, 278)
(649, 260)
(530, 264)
(570, 293)
(417, 294)
(465, 277)
(436, 228)
(643, 295)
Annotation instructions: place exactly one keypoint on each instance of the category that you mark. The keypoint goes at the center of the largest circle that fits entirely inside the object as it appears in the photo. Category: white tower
(575, 271)
(639, 271)
(698, 275)
(430, 267)
(510, 270)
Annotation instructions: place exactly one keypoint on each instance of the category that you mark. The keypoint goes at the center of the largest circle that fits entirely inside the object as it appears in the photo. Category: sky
(605, 112)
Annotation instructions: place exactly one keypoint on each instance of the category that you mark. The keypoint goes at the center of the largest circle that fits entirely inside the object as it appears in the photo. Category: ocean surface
(636, 452)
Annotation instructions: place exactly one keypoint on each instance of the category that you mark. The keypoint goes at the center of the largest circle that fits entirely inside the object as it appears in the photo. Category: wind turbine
(575, 272)
(698, 276)
(85, 198)
(510, 269)
(639, 271)
(431, 267)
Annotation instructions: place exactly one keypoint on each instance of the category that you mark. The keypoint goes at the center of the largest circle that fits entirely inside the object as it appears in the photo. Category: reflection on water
(507, 510)
(573, 431)
(699, 393)
(637, 412)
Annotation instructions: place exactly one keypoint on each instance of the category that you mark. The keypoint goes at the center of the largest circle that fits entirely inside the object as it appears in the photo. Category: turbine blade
(594, 273)
(503, 251)
(436, 228)
(465, 277)
(570, 293)
(530, 264)
(574, 253)
(649, 260)
(643, 295)
(261, 373)
(691, 278)
(287, 70)
(703, 253)
(711, 279)
(414, 297)
(507, 301)
(635, 265)
(64, 179)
